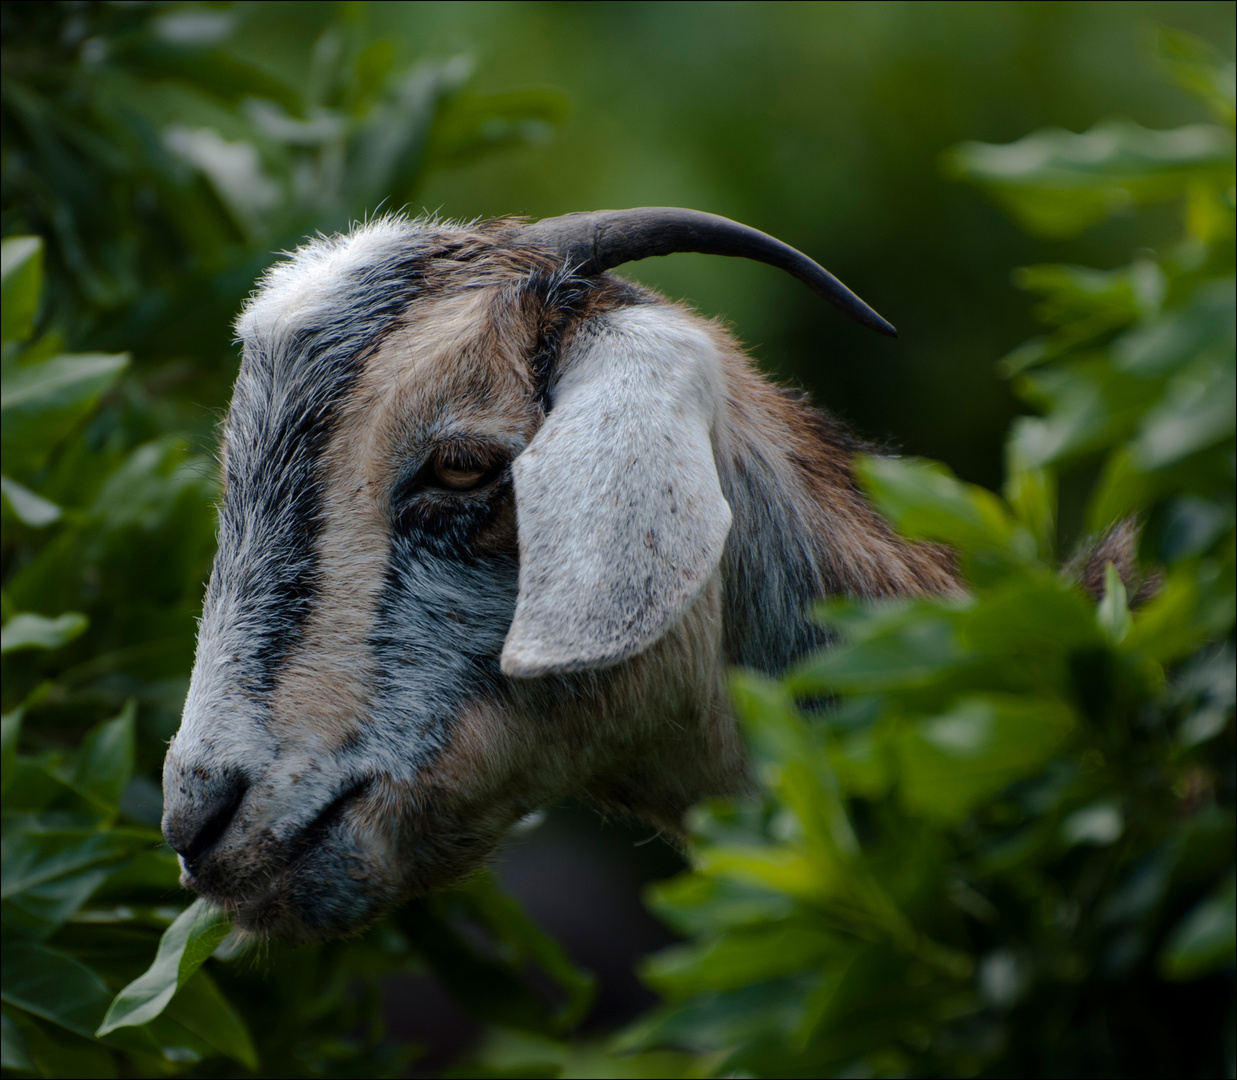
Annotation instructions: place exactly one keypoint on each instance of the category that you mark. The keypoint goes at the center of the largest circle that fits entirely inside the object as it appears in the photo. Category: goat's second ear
(621, 516)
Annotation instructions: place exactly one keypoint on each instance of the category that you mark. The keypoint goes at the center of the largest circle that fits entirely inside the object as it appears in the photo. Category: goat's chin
(285, 916)
(334, 890)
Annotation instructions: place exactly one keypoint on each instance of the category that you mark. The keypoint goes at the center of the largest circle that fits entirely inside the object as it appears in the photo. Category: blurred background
(165, 152)
(823, 124)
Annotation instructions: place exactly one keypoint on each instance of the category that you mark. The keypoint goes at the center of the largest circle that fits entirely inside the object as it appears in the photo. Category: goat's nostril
(193, 831)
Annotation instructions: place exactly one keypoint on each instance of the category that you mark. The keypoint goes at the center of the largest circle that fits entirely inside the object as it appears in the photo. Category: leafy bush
(162, 167)
(121, 123)
(1007, 847)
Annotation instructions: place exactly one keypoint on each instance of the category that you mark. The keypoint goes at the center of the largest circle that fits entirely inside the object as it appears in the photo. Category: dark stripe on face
(439, 629)
(280, 423)
(562, 299)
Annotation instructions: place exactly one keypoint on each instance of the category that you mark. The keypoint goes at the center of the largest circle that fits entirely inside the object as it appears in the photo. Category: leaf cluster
(160, 166)
(995, 832)
(146, 168)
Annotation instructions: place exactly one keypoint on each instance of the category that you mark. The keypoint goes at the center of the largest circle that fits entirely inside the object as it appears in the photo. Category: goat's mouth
(318, 883)
(330, 817)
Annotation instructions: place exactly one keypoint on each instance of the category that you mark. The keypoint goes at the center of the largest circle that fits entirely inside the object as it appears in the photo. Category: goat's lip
(207, 879)
(291, 904)
(327, 818)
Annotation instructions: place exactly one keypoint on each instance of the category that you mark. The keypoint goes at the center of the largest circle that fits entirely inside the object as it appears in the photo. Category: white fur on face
(314, 284)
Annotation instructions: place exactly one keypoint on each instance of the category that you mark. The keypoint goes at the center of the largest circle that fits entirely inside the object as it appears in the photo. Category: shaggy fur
(392, 672)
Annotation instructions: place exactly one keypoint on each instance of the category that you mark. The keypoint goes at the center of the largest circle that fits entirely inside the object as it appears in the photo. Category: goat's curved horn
(594, 242)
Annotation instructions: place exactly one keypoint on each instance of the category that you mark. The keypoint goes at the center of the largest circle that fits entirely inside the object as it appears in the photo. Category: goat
(494, 525)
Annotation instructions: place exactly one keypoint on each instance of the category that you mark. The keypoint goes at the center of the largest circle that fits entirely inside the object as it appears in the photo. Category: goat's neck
(802, 529)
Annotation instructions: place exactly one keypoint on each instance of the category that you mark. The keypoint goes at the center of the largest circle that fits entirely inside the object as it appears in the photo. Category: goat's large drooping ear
(621, 516)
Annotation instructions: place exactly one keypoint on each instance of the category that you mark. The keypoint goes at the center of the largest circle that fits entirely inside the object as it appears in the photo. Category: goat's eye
(450, 472)
(459, 476)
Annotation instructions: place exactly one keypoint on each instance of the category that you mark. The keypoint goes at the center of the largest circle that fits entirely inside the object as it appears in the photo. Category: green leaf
(10, 732)
(29, 508)
(777, 868)
(33, 856)
(1085, 305)
(924, 499)
(953, 761)
(1195, 412)
(184, 947)
(1057, 183)
(795, 767)
(43, 402)
(1031, 616)
(53, 985)
(205, 931)
(48, 876)
(750, 955)
(21, 279)
(1090, 405)
(1201, 70)
(903, 647)
(208, 70)
(64, 381)
(202, 1009)
(27, 631)
(1113, 613)
(14, 1054)
(1167, 628)
(144, 488)
(1206, 938)
(723, 1020)
(1124, 487)
(44, 908)
(106, 759)
(59, 1053)
(694, 904)
(1203, 324)
(1032, 495)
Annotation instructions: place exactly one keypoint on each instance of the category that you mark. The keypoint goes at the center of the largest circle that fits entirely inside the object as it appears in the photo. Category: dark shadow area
(581, 879)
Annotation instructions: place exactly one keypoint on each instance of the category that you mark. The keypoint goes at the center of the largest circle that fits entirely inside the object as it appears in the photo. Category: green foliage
(995, 834)
(185, 946)
(152, 163)
(1056, 183)
(157, 160)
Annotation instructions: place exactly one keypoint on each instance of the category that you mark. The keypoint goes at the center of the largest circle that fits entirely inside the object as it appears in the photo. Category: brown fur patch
(808, 457)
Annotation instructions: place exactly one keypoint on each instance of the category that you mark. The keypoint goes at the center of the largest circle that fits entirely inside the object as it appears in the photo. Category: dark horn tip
(883, 326)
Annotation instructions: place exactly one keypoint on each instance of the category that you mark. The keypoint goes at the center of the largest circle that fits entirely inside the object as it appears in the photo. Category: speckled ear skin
(621, 516)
